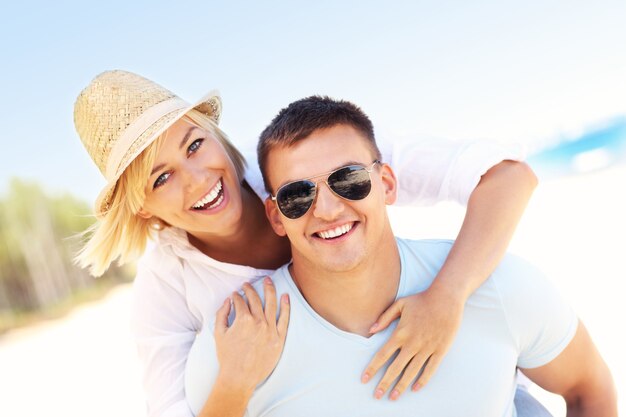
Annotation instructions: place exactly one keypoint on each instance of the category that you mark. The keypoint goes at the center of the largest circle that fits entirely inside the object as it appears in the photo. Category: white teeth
(337, 231)
(211, 196)
(218, 202)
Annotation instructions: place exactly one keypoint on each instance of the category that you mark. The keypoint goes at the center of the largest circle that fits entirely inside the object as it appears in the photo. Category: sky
(500, 70)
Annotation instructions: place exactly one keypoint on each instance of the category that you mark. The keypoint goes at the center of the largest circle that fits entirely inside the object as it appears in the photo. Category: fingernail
(416, 387)
(365, 377)
(267, 280)
(286, 298)
(378, 394)
(394, 394)
(374, 327)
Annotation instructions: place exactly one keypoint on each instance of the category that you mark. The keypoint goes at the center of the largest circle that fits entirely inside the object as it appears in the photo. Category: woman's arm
(429, 320)
(493, 211)
(163, 329)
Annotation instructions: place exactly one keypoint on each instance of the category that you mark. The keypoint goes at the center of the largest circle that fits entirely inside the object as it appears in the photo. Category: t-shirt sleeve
(431, 170)
(164, 331)
(540, 320)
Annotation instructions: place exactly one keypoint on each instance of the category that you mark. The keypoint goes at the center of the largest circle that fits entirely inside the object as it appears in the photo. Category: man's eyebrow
(186, 137)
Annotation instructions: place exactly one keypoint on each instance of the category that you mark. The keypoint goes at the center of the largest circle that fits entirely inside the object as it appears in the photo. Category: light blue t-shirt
(515, 319)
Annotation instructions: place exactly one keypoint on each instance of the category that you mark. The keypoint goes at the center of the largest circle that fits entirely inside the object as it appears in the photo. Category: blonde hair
(121, 233)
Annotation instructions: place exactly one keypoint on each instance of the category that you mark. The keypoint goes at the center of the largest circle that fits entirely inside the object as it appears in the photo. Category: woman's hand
(428, 324)
(248, 350)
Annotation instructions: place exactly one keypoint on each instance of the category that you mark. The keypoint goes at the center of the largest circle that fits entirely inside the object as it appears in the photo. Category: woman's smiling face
(193, 183)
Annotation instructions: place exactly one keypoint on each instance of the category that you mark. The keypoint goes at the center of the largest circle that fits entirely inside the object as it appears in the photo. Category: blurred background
(550, 74)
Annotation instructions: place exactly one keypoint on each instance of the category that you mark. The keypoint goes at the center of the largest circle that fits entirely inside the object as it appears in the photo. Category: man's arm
(581, 376)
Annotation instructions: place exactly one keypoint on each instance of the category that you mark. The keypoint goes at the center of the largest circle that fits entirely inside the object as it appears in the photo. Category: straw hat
(120, 113)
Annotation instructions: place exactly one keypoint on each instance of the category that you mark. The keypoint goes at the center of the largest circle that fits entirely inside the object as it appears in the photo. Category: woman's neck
(252, 242)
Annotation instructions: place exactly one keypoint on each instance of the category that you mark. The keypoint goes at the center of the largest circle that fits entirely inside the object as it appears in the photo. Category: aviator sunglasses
(352, 182)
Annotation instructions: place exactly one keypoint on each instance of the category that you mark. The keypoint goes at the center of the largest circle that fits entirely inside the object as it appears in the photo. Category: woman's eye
(162, 179)
(194, 146)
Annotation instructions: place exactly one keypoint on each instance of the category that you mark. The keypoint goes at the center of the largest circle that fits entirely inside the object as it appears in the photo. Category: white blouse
(178, 288)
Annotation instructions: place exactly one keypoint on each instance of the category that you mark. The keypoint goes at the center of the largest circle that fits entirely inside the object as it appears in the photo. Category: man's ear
(274, 216)
(144, 214)
(390, 184)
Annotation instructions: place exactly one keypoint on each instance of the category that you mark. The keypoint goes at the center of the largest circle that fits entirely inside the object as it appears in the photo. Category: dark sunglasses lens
(295, 199)
(352, 183)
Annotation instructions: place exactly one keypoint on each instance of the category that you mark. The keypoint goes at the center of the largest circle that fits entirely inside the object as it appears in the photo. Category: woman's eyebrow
(182, 143)
(157, 168)
(186, 137)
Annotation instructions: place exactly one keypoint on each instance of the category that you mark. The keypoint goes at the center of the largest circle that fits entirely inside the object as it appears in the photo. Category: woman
(172, 175)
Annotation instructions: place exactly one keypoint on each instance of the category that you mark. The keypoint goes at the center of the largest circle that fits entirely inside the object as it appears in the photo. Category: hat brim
(210, 104)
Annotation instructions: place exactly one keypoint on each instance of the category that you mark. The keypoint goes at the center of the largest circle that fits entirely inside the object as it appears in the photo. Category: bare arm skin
(581, 376)
(247, 351)
(430, 320)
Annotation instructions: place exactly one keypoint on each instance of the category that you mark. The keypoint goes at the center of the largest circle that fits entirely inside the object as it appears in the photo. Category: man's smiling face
(335, 234)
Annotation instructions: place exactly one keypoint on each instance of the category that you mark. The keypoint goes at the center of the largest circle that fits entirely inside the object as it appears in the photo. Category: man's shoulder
(512, 274)
(431, 252)
(515, 273)
(432, 247)
(281, 280)
(437, 250)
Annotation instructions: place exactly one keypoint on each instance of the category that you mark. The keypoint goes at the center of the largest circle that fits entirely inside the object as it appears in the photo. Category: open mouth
(213, 198)
(336, 232)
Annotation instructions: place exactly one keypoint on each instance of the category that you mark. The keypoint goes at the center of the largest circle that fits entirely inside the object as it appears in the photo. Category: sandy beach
(574, 228)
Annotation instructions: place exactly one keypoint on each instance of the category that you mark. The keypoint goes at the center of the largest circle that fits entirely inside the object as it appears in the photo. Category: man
(329, 187)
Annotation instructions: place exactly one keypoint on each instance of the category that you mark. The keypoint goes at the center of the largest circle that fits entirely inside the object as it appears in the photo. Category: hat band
(136, 128)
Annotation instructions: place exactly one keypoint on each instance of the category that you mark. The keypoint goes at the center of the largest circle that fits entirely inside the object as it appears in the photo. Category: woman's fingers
(254, 301)
(270, 301)
(221, 317)
(241, 307)
(411, 371)
(250, 348)
(283, 319)
(379, 359)
(388, 316)
(393, 371)
(429, 370)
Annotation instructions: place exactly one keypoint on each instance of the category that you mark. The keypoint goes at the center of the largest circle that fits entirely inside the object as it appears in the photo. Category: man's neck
(352, 300)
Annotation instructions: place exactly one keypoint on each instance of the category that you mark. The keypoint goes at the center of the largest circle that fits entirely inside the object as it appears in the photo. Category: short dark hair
(301, 118)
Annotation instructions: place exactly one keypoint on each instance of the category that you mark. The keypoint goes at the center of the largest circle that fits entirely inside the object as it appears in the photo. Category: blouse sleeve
(432, 170)
(164, 331)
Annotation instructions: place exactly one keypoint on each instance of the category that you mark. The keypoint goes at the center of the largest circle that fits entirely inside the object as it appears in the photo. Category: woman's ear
(274, 216)
(144, 214)
(390, 184)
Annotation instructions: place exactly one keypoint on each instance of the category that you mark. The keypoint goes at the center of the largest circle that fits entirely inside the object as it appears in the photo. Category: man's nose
(327, 205)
